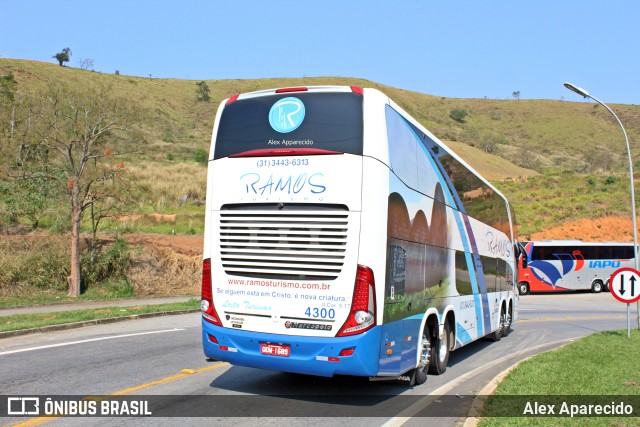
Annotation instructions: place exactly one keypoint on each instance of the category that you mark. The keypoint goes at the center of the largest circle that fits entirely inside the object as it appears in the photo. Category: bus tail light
(291, 89)
(363, 308)
(206, 303)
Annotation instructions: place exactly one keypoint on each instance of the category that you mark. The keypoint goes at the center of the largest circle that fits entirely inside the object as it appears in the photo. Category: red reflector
(357, 89)
(224, 348)
(232, 99)
(213, 339)
(334, 359)
(292, 89)
(347, 352)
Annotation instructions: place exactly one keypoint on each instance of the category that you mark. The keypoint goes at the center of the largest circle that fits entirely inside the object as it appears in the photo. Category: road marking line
(42, 347)
(34, 422)
(183, 373)
(549, 319)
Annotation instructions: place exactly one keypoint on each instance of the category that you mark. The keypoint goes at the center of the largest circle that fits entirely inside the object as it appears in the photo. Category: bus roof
(577, 243)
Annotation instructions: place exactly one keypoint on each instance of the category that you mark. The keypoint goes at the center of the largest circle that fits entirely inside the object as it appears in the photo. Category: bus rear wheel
(523, 288)
(506, 322)
(597, 286)
(418, 375)
(440, 351)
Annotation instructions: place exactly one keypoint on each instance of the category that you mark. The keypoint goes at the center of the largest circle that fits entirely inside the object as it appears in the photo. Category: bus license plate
(275, 349)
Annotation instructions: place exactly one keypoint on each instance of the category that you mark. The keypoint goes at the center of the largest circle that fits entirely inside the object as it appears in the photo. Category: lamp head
(577, 90)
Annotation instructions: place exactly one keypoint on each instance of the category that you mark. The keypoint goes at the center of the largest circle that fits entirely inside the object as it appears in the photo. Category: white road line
(112, 337)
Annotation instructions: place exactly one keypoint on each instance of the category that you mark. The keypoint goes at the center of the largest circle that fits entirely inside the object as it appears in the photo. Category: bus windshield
(333, 122)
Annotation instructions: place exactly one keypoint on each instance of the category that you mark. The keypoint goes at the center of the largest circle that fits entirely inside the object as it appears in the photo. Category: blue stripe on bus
(482, 310)
(462, 336)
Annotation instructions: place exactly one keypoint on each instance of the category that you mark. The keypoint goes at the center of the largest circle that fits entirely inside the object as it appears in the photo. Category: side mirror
(522, 253)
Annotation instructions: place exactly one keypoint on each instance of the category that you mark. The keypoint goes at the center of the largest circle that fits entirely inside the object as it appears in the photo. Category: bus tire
(597, 286)
(498, 333)
(418, 375)
(440, 351)
(506, 323)
(523, 288)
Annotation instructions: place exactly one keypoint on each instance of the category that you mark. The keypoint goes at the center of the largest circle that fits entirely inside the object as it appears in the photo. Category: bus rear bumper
(307, 355)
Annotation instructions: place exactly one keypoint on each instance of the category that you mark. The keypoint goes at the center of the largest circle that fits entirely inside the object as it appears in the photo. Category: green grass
(547, 200)
(189, 224)
(604, 365)
(39, 320)
(109, 290)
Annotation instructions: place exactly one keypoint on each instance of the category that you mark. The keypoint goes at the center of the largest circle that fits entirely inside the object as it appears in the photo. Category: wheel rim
(424, 353)
(523, 289)
(442, 349)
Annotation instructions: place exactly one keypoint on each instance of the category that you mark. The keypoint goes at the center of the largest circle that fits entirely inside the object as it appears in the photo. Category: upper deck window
(324, 121)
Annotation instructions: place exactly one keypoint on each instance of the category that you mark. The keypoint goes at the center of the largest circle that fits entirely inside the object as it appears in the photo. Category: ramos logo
(286, 115)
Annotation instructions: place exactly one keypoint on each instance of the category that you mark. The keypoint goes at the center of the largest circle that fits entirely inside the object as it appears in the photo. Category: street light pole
(586, 94)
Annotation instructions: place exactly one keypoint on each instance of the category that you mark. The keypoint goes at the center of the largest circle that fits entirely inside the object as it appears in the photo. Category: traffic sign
(624, 285)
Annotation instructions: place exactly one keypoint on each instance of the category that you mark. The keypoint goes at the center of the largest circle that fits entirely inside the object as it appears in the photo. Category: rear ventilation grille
(302, 242)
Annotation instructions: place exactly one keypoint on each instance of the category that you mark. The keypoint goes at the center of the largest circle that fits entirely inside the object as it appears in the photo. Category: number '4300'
(320, 313)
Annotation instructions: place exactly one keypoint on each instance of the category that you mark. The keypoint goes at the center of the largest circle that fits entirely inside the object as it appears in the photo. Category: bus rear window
(323, 121)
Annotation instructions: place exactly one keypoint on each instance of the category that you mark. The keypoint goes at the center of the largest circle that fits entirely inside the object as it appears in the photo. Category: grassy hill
(556, 160)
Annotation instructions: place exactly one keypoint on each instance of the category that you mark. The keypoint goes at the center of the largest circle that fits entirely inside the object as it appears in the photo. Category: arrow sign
(623, 285)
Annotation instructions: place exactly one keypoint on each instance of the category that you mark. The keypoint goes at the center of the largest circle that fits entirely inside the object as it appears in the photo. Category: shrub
(201, 156)
(459, 114)
(106, 263)
(30, 263)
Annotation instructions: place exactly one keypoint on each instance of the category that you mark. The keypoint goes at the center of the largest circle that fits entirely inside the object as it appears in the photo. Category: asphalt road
(163, 356)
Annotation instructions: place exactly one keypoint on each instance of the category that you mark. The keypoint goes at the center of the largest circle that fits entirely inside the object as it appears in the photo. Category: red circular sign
(624, 285)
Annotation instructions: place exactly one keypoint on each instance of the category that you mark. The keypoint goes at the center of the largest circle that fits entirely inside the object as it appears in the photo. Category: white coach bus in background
(342, 237)
(571, 265)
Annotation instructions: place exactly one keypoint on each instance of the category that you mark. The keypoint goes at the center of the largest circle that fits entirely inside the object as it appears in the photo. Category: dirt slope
(606, 229)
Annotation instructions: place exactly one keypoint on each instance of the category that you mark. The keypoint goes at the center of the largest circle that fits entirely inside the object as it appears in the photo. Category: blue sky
(459, 49)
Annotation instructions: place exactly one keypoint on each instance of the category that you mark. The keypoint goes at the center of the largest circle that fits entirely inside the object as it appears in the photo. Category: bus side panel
(429, 241)
(391, 349)
(398, 347)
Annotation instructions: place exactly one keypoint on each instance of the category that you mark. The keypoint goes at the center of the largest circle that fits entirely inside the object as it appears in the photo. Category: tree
(516, 94)
(8, 86)
(63, 56)
(202, 91)
(8, 89)
(87, 64)
(73, 141)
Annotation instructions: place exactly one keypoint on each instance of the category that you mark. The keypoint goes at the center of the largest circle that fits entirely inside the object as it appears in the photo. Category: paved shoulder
(81, 305)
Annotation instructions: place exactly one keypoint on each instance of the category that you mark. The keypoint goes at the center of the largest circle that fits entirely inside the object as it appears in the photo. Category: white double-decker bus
(342, 237)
